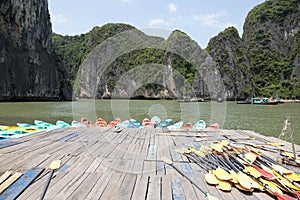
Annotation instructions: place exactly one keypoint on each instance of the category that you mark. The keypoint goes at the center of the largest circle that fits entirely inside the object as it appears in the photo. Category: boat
(186, 126)
(147, 123)
(62, 124)
(263, 101)
(123, 124)
(76, 124)
(155, 121)
(101, 122)
(114, 122)
(176, 126)
(244, 102)
(199, 125)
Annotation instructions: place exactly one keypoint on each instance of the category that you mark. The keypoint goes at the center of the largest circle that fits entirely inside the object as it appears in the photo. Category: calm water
(267, 120)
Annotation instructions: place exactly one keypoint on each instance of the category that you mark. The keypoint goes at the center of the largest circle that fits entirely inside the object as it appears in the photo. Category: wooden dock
(98, 163)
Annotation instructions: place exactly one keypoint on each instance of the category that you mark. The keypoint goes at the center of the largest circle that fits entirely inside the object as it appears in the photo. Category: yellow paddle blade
(224, 185)
(252, 171)
(271, 185)
(285, 182)
(288, 154)
(244, 181)
(218, 147)
(222, 174)
(281, 169)
(243, 189)
(55, 164)
(233, 174)
(298, 160)
(211, 179)
(210, 197)
(192, 149)
(182, 151)
(256, 185)
(293, 176)
(250, 156)
(275, 144)
(224, 143)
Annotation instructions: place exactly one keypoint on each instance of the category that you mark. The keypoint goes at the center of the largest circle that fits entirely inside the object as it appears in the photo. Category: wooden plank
(140, 188)
(112, 189)
(10, 181)
(68, 137)
(166, 189)
(154, 188)
(177, 189)
(19, 186)
(152, 152)
(127, 186)
(5, 176)
(5, 144)
(86, 186)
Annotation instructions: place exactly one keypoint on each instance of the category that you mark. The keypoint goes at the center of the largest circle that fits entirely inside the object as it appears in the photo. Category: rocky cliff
(227, 51)
(30, 69)
(267, 53)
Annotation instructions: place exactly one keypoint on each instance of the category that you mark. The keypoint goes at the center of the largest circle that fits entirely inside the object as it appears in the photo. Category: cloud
(172, 7)
(158, 22)
(213, 20)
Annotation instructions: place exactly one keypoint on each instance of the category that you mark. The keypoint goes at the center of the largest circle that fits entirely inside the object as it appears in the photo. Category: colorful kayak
(155, 121)
(134, 124)
(76, 124)
(114, 122)
(199, 125)
(101, 122)
(147, 123)
(123, 124)
(62, 124)
(176, 126)
(186, 126)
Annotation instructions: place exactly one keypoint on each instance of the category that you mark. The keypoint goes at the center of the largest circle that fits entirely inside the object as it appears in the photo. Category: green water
(267, 120)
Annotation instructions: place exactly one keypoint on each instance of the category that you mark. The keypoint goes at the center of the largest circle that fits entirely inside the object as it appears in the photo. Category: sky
(200, 19)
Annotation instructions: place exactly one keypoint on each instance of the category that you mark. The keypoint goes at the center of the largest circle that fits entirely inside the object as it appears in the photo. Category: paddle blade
(244, 180)
(224, 185)
(252, 171)
(211, 179)
(222, 174)
(55, 164)
(283, 197)
(250, 156)
(210, 197)
(297, 194)
(271, 186)
(264, 173)
(281, 169)
(293, 176)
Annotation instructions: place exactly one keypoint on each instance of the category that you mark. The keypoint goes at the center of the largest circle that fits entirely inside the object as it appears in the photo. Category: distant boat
(244, 102)
(263, 101)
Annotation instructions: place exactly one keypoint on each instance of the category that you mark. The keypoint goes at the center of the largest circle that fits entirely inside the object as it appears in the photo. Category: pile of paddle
(228, 165)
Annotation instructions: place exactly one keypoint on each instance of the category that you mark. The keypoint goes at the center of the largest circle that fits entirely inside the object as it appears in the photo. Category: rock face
(267, 53)
(227, 51)
(30, 69)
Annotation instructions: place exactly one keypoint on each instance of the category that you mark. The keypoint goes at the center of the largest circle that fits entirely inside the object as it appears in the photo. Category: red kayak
(114, 122)
(101, 123)
(147, 123)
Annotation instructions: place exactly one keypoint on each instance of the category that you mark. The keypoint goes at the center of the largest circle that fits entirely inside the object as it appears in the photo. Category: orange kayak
(114, 122)
(101, 123)
(147, 123)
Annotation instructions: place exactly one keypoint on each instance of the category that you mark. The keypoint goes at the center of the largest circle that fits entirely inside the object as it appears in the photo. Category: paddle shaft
(178, 170)
(47, 185)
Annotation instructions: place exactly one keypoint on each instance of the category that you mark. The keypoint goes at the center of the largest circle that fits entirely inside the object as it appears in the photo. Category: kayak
(147, 123)
(199, 125)
(176, 126)
(62, 124)
(186, 126)
(169, 122)
(76, 124)
(101, 122)
(155, 121)
(133, 124)
(123, 124)
(114, 122)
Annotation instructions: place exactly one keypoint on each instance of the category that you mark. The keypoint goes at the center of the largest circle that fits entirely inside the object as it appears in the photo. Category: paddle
(208, 196)
(53, 166)
(270, 187)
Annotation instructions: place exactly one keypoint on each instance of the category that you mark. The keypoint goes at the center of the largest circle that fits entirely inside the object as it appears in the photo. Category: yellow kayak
(17, 128)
